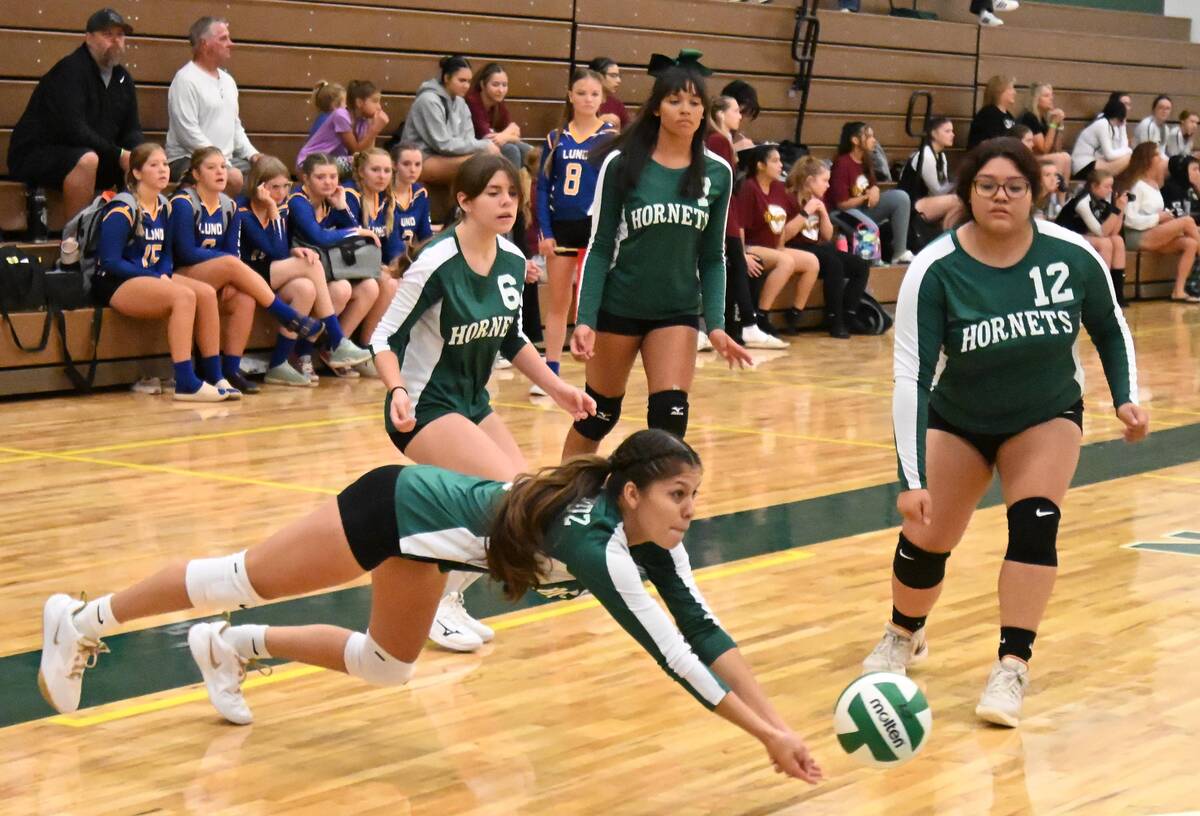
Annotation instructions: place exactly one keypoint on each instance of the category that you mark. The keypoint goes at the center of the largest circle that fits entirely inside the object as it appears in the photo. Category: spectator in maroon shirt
(612, 109)
(854, 198)
(490, 115)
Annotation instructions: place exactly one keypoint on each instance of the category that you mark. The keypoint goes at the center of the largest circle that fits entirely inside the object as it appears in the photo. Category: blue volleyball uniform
(414, 219)
(262, 242)
(198, 238)
(567, 179)
(122, 253)
(328, 231)
(391, 241)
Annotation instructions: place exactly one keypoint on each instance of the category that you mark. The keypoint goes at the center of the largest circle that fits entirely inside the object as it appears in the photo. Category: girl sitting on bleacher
(327, 97)
(204, 239)
(927, 178)
(320, 216)
(1045, 121)
(490, 115)
(855, 199)
(296, 274)
(996, 117)
(1094, 215)
(412, 199)
(1104, 144)
(440, 122)
(1149, 227)
(350, 128)
(134, 274)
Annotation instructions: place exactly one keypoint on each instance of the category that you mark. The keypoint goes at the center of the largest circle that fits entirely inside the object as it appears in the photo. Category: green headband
(688, 58)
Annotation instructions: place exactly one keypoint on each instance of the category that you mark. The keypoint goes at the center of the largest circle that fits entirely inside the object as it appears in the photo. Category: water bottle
(68, 253)
(842, 244)
(39, 228)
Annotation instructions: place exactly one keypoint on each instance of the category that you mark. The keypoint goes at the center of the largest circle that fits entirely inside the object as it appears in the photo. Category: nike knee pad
(668, 411)
(608, 411)
(1033, 532)
(917, 568)
(220, 583)
(366, 660)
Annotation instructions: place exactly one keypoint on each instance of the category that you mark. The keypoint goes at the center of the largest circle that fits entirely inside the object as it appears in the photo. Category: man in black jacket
(82, 120)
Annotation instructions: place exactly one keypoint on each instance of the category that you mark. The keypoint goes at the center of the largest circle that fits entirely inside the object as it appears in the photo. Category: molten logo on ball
(882, 719)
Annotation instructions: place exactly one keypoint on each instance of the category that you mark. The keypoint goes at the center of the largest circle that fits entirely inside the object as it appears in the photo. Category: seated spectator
(350, 128)
(489, 114)
(986, 10)
(295, 274)
(1155, 127)
(412, 199)
(1045, 121)
(327, 97)
(995, 118)
(202, 105)
(1118, 96)
(1092, 214)
(1181, 192)
(1049, 204)
(748, 107)
(1102, 145)
(440, 122)
(810, 228)
(854, 198)
(82, 120)
(1149, 227)
(204, 241)
(763, 209)
(134, 275)
(926, 176)
(1180, 141)
(373, 204)
(612, 109)
(1022, 134)
(319, 215)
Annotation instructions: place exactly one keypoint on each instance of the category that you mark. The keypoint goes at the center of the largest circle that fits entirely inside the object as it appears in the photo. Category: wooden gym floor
(564, 714)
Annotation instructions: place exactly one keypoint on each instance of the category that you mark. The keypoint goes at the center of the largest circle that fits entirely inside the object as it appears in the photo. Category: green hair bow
(688, 58)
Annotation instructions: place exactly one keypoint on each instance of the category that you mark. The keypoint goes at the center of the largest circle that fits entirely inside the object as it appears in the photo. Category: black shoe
(792, 317)
(1118, 282)
(242, 384)
(764, 322)
(837, 327)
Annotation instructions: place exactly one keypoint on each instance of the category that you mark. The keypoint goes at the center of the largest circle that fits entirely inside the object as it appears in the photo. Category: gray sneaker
(284, 374)
(1005, 691)
(347, 354)
(896, 651)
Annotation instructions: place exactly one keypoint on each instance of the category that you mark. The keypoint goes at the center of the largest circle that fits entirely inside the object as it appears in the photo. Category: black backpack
(870, 317)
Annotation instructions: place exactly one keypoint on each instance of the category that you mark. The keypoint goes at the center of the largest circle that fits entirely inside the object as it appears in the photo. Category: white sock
(96, 619)
(248, 640)
(458, 581)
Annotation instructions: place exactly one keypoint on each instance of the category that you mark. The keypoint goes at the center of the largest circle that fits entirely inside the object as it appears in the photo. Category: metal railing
(805, 36)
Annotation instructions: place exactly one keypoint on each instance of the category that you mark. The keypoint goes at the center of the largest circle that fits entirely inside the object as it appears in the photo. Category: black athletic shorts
(368, 511)
(988, 445)
(48, 165)
(572, 236)
(640, 327)
(401, 439)
(263, 267)
(104, 287)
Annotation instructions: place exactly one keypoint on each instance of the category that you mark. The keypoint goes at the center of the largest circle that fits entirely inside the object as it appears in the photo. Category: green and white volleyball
(882, 719)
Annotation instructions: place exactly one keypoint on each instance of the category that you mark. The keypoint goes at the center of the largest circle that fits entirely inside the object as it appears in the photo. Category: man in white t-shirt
(202, 105)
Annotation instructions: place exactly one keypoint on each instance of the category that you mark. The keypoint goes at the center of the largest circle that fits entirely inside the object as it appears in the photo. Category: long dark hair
(637, 143)
(473, 176)
(517, 554)
(1001, 147)
(478, 81)
(850, 132)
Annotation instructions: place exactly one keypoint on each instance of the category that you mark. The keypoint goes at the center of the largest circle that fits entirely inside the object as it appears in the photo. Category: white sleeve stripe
(408, 292)
(683, 568)
(597, 198)
(677, 654)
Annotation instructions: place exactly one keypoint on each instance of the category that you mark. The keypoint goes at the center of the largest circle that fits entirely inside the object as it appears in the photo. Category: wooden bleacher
(867, 66)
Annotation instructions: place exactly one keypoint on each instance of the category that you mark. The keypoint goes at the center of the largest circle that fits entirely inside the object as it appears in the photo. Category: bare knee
(368, 289)
(182, 298)
(89, 162)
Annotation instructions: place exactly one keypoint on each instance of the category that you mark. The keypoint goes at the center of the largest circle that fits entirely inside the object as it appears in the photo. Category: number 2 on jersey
(1059, 271)
(571, 178)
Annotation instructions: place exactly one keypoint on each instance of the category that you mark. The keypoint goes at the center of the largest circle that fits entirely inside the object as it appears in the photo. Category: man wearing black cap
(82, 120)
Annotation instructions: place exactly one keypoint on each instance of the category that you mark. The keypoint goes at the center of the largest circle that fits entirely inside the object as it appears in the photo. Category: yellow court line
(174, 471)
(508, 621)
(1165, 478)
(759, 380)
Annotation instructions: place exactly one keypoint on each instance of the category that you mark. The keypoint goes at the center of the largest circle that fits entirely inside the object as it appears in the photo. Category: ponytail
(517, 555)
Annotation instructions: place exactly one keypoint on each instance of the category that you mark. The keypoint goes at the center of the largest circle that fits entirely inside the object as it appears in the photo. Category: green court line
(157, 659)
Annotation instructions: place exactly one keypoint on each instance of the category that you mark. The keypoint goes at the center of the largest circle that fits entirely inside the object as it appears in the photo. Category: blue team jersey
(198, 237)
(122, 252)
(415, 224)
(567, 180)
(262, 242)
(327, 231)
(385, 222)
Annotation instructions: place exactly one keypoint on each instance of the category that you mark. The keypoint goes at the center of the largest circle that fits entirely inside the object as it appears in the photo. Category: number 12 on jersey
(1059, 271)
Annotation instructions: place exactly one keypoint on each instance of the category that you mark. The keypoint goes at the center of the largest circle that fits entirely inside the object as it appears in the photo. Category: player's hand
(575, 402)
(401, 411)
(872, 196)
(916, 506)
(733, 353)
(790, 756)
(533, 272)
(583, 343)
(1137, 421)
(546, 247)
(366, 233)
(338, 199)
(754, 265)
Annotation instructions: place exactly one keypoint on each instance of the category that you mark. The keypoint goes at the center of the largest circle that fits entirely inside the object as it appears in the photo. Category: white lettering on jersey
(480, 329)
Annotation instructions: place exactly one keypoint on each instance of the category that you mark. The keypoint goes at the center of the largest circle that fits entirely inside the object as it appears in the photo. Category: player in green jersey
(594, 521)
(456, 307)
(656, 261)
(987, 377)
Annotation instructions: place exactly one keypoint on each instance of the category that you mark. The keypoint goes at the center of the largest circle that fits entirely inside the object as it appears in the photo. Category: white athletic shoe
(756, 338)
(223, 671)
(536, 390)
(986, 18)
(896, 651)
(207, 392)
(450, 630)
(1005, 5)
(702, 342)
(367, 369)
(285, 374)
(485, 632)
(1005, 691)
(65, 654)
(906, 258)
(501, 363)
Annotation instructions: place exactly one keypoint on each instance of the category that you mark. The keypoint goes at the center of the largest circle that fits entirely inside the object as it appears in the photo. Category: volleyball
(882, 720)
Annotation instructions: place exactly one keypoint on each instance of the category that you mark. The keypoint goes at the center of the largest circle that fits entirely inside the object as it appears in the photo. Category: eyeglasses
(613, 74)
(1013, 188)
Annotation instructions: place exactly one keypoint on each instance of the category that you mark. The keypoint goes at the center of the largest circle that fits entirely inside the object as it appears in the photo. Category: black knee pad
(1033, 532)
(917, 568)
(668, 411)
(608, 411)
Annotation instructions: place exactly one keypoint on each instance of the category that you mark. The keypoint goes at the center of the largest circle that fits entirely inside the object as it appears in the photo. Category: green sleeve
(920, 330)
(606, 219)
(671, 574)
(712, 251)
(1105, 324)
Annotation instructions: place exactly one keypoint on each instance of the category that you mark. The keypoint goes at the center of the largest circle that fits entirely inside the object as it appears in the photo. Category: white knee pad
(221, 583)
(366, 660)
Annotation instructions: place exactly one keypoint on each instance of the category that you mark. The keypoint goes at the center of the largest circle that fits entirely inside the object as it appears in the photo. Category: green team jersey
(994, 350)
(446, 324)
(443, 517)
(655, 254)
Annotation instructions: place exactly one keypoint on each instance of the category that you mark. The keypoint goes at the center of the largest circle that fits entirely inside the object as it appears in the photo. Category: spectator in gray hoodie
(440, 122)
